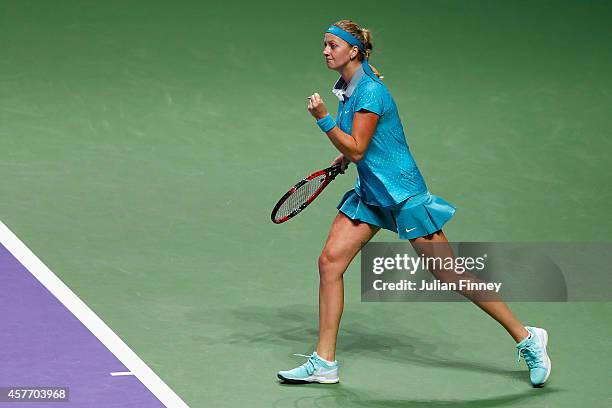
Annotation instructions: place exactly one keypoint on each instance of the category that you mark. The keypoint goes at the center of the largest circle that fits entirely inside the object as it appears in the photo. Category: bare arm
(352, 146)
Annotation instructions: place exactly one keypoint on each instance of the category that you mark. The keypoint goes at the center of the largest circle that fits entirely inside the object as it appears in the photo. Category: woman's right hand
(343, 161)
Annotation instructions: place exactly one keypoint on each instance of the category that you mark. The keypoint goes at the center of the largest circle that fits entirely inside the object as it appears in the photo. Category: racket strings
(300, 197)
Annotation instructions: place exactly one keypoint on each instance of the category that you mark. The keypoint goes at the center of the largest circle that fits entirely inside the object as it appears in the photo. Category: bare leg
(497, 309)
(346, 238)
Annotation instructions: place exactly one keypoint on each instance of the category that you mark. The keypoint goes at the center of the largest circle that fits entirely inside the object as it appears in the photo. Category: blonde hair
(364, 35)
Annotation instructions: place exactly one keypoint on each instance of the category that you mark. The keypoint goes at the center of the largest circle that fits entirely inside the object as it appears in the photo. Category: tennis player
(390, 193)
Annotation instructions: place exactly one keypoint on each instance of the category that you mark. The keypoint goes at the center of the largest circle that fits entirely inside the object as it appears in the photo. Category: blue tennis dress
(390, 191)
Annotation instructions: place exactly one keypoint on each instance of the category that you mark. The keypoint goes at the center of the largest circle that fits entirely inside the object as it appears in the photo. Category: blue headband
(346, 36)
(352, 40)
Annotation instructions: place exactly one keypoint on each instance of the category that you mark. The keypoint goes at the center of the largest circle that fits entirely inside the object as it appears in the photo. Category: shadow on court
(293, 326)
(347, 397)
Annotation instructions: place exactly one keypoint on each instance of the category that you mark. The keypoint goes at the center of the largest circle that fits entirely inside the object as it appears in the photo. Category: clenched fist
(316, 106)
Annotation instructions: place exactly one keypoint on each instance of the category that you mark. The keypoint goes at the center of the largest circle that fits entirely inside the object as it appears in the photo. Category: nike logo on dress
(411, 229)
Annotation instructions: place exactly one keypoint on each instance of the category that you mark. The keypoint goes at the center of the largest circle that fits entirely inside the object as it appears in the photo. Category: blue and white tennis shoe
(315, 370)
(533, 351)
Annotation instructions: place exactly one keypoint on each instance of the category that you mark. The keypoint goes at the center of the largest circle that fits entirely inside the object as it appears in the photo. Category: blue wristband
(327, 123)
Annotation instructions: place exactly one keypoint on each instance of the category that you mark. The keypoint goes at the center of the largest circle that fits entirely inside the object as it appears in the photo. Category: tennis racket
(303, 193)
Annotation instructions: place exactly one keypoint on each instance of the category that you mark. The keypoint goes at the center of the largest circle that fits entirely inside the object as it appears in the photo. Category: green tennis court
(143, 145)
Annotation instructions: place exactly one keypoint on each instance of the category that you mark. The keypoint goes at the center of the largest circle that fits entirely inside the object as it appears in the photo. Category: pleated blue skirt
(418, 216)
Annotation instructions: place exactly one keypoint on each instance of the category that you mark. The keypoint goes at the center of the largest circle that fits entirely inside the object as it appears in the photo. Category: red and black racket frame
(330, 172)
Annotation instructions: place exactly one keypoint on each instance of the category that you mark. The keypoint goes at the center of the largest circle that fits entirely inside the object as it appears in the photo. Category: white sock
(326, 361)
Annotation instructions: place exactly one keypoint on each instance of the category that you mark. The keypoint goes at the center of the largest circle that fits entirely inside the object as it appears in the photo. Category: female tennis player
(390, 193)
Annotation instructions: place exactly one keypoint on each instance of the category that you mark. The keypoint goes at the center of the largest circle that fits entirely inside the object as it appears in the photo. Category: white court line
(95, 325)
(121, 373)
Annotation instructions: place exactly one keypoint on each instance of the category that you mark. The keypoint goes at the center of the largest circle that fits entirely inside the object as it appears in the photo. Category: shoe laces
(532, 356)
(309, 365)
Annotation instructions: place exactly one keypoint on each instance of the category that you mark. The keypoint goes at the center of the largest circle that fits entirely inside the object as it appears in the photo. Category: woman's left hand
(316, 106)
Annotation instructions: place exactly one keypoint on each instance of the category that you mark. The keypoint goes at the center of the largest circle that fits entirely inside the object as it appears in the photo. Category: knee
(326, 261)
(330, 266)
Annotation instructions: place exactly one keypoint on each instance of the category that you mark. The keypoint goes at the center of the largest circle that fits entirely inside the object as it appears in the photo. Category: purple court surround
(44, 344)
